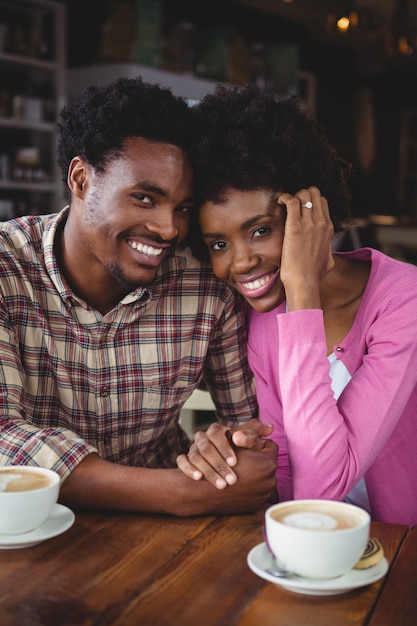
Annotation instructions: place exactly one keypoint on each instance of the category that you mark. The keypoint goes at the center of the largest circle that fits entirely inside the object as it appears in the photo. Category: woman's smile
(258, 286)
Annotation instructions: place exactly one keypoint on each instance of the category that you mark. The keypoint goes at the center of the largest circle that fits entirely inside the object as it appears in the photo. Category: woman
(332, 336)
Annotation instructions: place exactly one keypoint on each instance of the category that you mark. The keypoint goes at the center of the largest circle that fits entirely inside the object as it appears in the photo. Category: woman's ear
(77, 176)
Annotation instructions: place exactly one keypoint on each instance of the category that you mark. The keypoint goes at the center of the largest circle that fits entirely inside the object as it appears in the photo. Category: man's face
(131, 215)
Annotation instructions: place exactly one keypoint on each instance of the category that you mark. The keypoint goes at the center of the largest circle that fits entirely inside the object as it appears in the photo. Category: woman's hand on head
(213, 453)
(306, 253)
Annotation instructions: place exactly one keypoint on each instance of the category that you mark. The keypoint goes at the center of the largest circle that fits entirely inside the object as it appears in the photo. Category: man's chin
(130, 285)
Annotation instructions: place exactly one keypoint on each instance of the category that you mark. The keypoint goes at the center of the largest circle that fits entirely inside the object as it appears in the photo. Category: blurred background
(354, 62)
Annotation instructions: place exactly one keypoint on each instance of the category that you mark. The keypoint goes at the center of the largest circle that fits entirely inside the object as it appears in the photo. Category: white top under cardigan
(340, 378)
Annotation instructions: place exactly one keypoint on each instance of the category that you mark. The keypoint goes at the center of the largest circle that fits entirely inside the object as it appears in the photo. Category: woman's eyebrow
(246, 224)
(252, 220)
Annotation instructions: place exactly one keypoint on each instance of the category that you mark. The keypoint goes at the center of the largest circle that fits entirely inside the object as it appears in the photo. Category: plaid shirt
(73, 381)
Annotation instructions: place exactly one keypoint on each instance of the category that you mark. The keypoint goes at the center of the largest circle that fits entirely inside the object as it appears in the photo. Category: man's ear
(77, 176)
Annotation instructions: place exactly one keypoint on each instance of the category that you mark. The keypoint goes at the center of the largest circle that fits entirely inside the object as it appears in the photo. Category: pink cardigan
(326, 446)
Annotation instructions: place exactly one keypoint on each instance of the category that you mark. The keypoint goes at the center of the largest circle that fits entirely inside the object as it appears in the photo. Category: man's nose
(164, 225)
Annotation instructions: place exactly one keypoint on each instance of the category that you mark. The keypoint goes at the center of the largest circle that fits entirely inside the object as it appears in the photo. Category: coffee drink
(17, 480)
(27, 496)
(316, 516)
(317, 538)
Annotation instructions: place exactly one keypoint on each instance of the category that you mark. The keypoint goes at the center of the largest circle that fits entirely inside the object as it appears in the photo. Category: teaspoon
(274, 569)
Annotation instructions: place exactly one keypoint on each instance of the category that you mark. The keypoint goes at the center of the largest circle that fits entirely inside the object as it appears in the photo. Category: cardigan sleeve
(333, 443)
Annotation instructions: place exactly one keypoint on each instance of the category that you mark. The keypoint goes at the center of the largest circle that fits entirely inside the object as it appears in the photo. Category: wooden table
(149, 570)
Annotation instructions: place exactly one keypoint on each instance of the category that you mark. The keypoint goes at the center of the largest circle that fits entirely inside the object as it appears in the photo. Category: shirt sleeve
(21, 442)
(227, 373)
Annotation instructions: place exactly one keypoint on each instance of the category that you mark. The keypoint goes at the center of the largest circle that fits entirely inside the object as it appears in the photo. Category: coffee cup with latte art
(27, 497)
(317, 538)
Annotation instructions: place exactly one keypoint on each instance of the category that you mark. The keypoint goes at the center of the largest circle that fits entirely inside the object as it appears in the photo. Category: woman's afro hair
(247, 138)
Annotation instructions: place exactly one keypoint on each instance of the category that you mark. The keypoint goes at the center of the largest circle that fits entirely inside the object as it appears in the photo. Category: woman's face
(244, 235)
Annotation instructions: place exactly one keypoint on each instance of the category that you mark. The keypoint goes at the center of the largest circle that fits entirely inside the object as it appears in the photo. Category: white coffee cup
(317, 538)
(27, 497)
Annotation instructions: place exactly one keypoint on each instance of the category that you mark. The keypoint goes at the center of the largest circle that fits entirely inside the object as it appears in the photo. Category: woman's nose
(244, 260)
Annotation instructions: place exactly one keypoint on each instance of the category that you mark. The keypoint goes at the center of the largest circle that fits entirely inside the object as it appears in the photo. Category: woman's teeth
(259, 282)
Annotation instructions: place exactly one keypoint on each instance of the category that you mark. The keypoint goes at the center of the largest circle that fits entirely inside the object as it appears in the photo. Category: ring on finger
(308, 205)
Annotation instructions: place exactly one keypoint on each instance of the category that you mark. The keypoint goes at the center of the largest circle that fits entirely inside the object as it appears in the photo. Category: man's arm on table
(99, 484)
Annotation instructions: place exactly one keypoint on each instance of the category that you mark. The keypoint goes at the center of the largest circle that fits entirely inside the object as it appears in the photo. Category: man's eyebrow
(154, 188)
(145, 185)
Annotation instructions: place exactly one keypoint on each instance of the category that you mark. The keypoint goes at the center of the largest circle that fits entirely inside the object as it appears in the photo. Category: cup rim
(53, 475)
(364, 516)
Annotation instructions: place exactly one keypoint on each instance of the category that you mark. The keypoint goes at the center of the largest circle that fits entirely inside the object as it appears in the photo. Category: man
(108, 323)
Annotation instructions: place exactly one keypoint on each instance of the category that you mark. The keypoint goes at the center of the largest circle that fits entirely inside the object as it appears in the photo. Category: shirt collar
(165, 279)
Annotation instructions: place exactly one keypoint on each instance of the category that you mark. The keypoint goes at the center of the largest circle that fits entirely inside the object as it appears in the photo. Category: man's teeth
(259, 282)
(145, 249)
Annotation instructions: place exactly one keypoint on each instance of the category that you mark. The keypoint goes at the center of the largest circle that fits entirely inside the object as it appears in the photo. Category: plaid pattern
(73, 381)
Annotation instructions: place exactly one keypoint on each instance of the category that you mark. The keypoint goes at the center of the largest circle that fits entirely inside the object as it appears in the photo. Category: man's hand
(213, 453)
(99, 484)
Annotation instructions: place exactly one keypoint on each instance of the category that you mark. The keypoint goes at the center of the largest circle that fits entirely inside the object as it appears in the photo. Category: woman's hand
(306, 253)
(212, 455)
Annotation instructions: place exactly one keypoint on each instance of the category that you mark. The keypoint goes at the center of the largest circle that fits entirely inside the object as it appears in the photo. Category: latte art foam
(13, 480)
(316, 516)
(313, 521)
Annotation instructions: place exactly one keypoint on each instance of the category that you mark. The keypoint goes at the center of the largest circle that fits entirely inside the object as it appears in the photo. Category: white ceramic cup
(317, 538)
(27, 497)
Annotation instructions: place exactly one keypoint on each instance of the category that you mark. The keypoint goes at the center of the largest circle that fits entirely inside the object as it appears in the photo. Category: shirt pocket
(161, 409)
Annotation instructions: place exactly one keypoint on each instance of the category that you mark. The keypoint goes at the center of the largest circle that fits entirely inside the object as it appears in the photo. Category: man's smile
(145, 248)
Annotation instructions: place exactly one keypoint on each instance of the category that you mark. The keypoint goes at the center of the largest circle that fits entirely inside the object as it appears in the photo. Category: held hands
(215, 452)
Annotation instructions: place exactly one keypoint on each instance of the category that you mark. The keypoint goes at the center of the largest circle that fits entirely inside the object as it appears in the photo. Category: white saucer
(259, 561)
(57, 523)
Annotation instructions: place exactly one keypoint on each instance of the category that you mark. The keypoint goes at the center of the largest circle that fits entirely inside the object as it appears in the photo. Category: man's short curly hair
(95, 125)
(248, 138)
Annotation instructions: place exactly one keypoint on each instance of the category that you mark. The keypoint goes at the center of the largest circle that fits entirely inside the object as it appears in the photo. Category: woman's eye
(263, 230)
(218, 245)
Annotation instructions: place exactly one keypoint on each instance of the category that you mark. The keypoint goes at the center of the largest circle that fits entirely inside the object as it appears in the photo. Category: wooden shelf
(36, 78)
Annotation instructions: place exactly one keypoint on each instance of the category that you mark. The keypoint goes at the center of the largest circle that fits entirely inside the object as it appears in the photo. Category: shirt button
(340, 349)
(104, 392)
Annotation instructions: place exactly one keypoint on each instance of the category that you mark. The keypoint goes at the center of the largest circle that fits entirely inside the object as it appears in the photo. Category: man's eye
(142, 197)
(185, 209)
